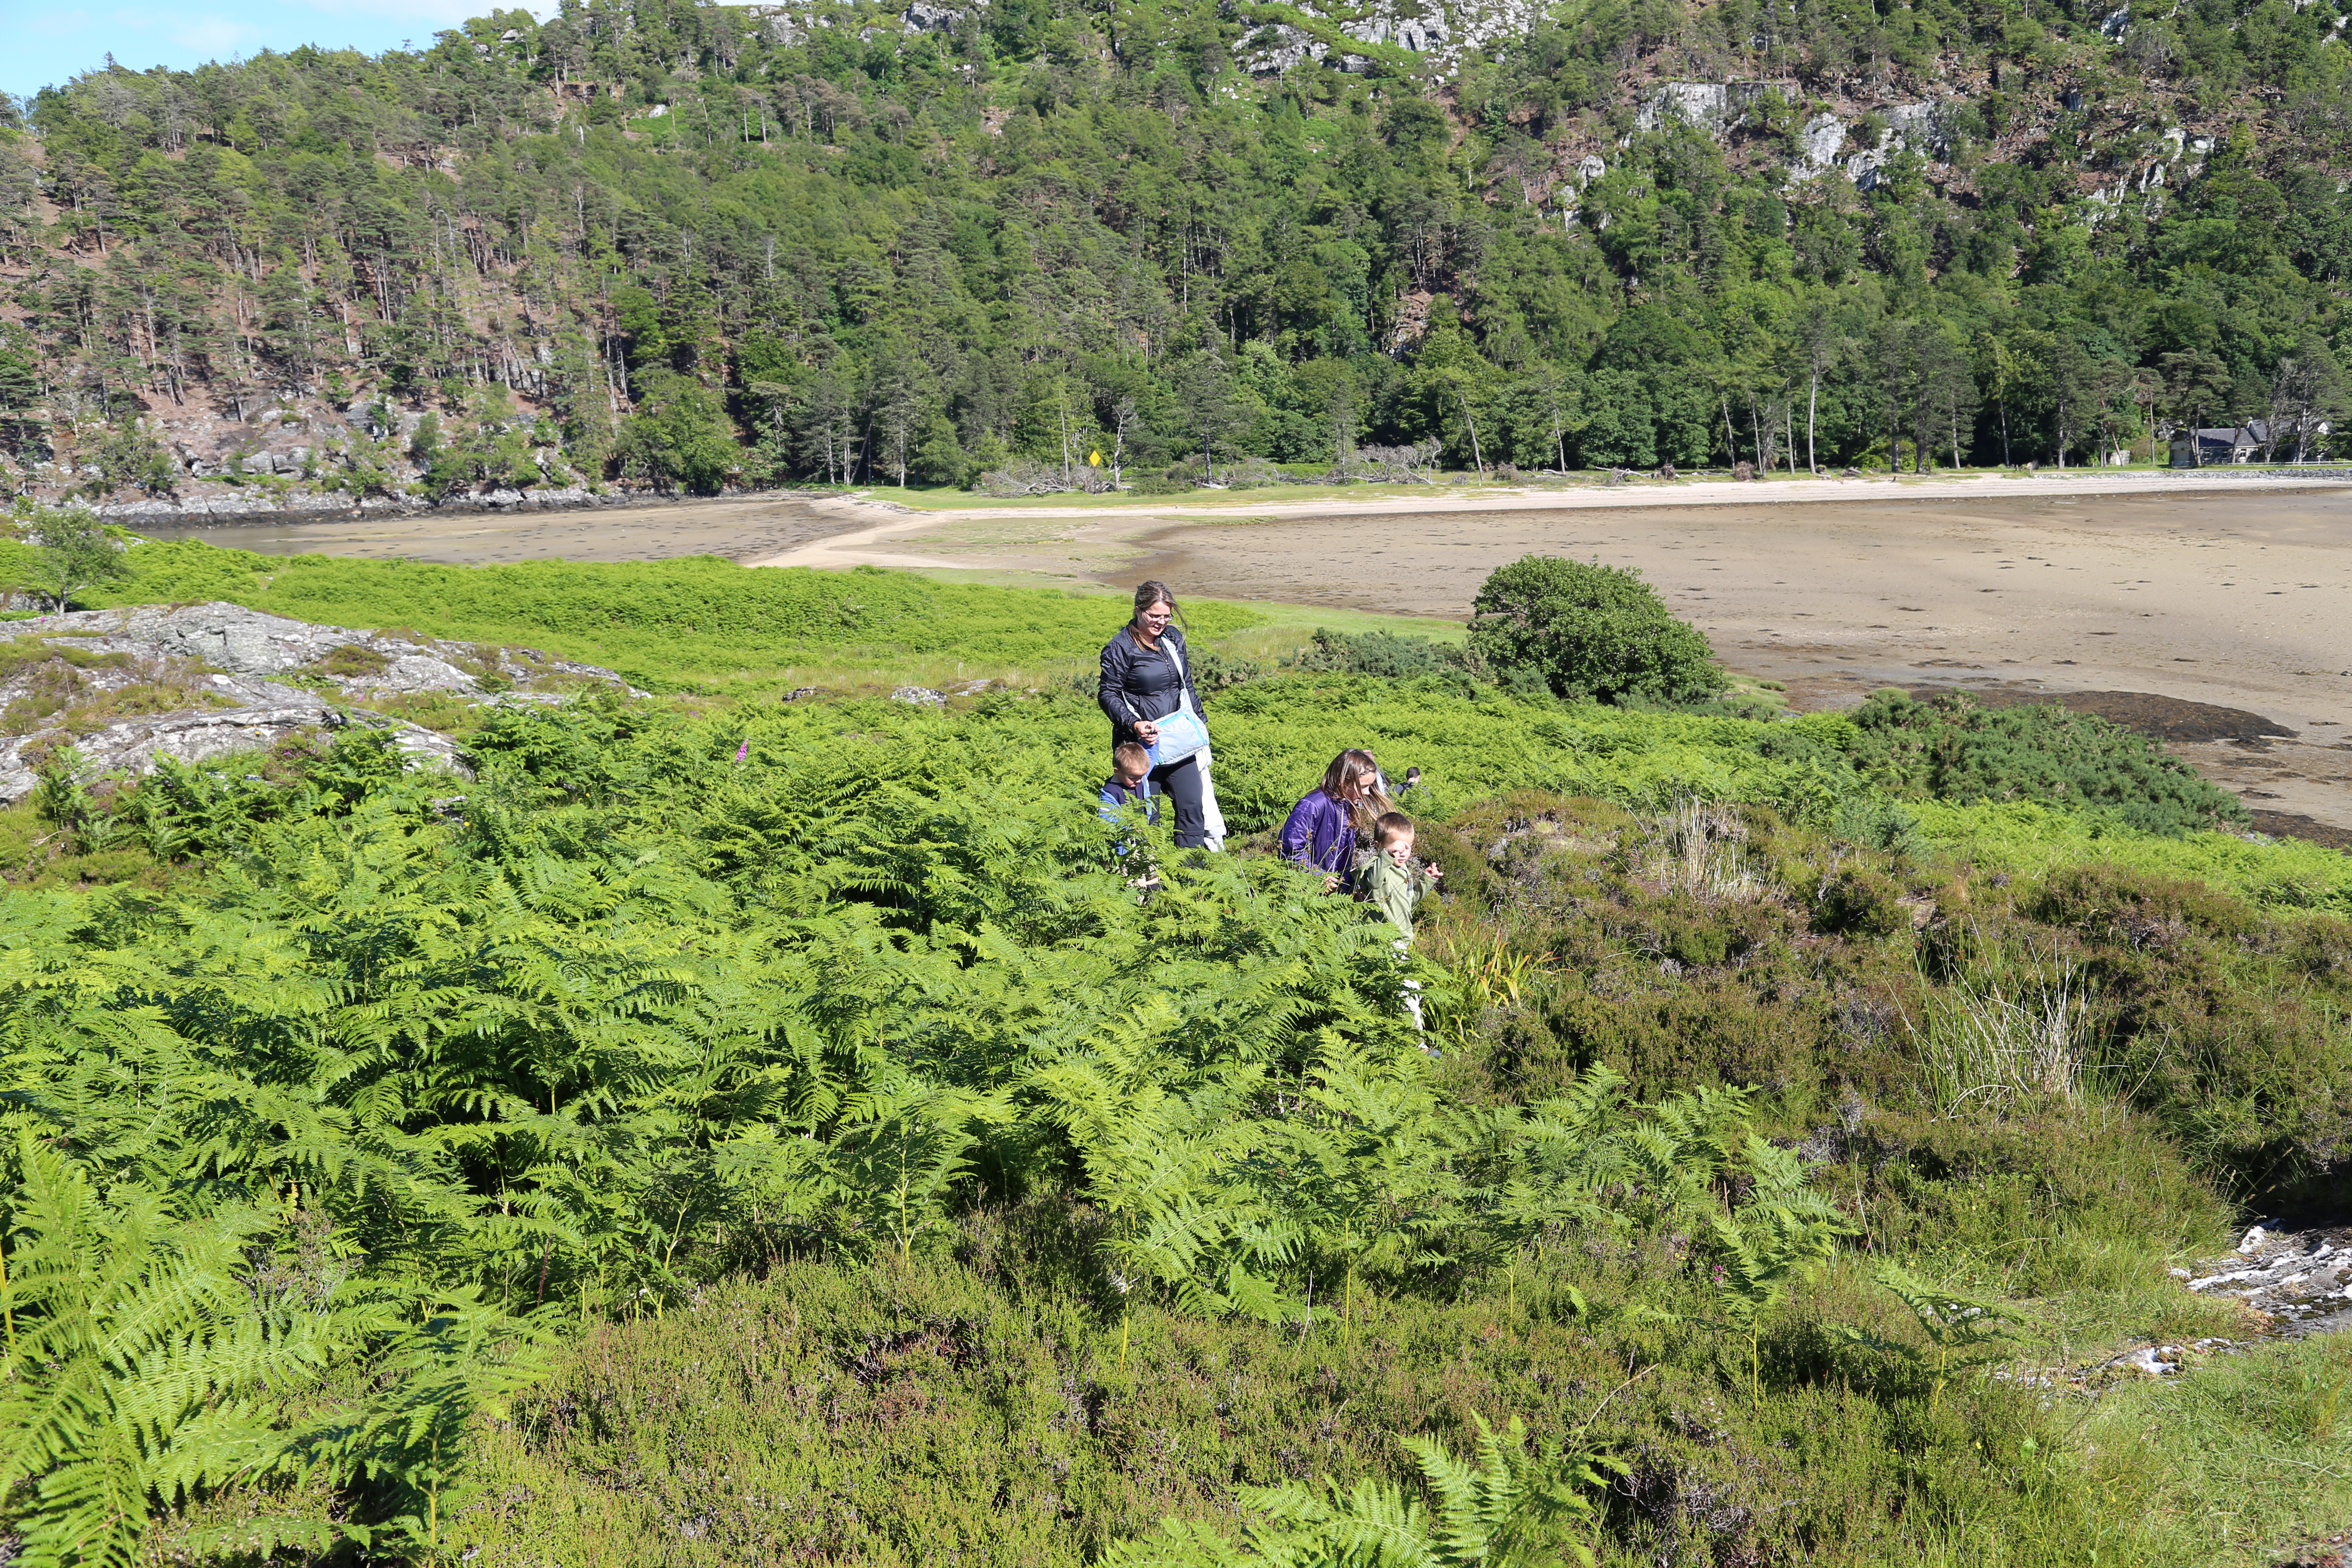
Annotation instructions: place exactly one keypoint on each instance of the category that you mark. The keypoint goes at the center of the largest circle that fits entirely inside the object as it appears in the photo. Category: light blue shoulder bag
(1182, 733)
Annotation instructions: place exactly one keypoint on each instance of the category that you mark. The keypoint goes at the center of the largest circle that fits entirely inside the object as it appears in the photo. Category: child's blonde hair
(1129, 757)
(1391, 826)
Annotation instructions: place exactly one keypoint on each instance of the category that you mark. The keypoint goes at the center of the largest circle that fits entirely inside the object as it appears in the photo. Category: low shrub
(1951, 748)
(1589, 631)
(1386, 655)
(1859, 902)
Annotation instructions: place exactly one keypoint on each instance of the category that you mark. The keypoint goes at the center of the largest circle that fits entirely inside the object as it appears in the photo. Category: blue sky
(47, 41)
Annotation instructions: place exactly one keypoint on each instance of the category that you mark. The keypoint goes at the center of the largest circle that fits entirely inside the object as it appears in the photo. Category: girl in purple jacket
(1322, 829)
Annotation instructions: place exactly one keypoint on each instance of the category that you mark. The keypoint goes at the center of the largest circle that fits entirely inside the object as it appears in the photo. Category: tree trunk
(1812, 415)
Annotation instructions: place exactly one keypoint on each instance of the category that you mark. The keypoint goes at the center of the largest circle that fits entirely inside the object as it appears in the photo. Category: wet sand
(2203, 592)
(2232, 600)
(738, 530)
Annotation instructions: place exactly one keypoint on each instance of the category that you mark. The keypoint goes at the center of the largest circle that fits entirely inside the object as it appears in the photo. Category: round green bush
(1588, 631)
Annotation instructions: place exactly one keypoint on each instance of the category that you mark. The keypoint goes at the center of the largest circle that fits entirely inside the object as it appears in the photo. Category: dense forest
(701, 245)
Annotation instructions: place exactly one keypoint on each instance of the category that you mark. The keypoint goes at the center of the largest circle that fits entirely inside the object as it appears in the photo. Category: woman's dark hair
(1152, 591)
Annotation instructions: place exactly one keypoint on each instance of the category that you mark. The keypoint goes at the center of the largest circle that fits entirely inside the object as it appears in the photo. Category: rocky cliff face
(195, 681)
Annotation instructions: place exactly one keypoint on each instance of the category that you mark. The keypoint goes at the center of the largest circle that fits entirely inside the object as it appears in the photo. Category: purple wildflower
(744, 750)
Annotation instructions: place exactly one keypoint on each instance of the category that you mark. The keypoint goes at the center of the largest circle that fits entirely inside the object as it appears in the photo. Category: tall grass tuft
(1699, 846)
(2016, 1031)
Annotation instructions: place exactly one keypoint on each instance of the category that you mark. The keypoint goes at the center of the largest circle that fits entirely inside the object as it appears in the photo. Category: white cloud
(214, 35)
(59, 24)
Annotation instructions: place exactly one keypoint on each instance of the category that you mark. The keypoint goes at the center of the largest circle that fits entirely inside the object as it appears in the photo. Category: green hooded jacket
(1396, 890)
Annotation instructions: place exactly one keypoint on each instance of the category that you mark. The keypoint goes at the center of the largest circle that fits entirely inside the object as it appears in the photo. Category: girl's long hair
(1357, 766)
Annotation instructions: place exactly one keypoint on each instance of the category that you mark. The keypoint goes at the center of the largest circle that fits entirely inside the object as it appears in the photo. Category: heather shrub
(1588, 631)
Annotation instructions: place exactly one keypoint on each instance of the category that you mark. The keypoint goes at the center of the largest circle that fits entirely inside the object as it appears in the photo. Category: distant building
(2239, 443)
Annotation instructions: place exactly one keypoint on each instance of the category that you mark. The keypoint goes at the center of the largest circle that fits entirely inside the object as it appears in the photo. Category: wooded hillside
(701, 245)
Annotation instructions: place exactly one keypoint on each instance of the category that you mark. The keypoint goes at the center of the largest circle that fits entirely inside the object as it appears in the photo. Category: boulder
(228, 679)
(226, 636)
(131, 745)
(250, 643)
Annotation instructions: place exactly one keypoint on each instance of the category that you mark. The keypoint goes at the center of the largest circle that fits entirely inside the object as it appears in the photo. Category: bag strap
(1128, 633)
(1174, 643)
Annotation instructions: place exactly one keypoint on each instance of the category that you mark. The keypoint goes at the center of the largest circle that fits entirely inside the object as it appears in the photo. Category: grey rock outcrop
(1920, 128)
(1712, 106)
(1818, 143)
(131, 745)
(1716, 108)
(218, 677)
(358, 664)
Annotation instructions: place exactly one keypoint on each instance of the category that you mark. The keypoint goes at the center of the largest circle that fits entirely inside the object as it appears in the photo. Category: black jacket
(1139, 682)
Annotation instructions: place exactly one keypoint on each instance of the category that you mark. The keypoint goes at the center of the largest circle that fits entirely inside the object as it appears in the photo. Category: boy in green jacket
(1397, 886)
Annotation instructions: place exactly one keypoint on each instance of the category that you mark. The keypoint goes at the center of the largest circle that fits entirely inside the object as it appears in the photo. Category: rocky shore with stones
(215, 506)
(2292, 1279)
(240, 506)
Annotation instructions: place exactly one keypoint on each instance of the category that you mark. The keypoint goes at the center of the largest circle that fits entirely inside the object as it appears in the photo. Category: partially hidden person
(1129, 783)
(1334, 819)
(1395, 886)
(1147, 692)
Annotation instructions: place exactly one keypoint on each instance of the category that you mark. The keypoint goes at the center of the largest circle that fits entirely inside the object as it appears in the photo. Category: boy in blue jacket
(1129, 783)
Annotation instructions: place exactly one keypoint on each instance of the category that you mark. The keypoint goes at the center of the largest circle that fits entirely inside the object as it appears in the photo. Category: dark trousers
(1181, 782)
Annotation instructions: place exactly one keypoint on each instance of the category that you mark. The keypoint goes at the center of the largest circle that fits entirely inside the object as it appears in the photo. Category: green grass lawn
(705, 625)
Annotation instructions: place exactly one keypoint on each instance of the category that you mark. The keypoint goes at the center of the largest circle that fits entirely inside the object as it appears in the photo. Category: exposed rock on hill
(130, 746)
(192, 681)
(236, 641)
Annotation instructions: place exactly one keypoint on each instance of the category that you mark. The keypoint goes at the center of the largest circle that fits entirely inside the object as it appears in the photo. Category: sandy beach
(2222, 589)
(2224, 593)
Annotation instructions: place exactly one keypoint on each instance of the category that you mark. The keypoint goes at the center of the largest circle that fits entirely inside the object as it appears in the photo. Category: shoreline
(2211, 588)
(882, 516)
(321, 509)
(886, 520)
